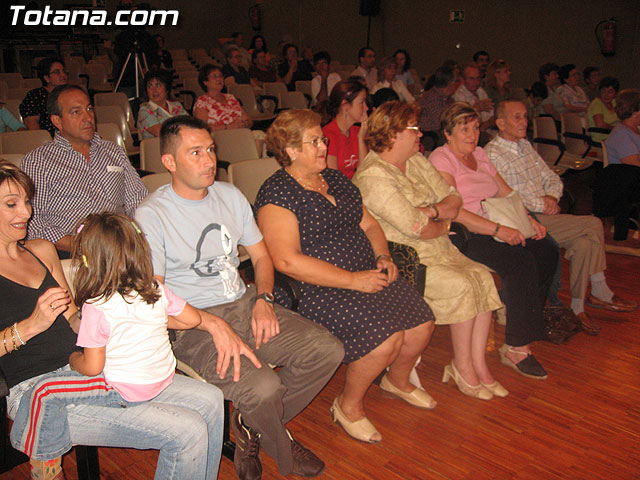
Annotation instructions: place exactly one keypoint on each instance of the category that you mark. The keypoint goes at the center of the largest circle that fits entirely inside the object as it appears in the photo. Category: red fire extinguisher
(606, 35)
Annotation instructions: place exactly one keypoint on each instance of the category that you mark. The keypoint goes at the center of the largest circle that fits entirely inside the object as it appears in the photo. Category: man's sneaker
(305, 462)
(247, 455)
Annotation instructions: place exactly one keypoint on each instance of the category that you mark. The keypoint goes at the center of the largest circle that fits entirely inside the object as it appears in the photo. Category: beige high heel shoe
(478, 391)
(417, 398)
(496, 388)
(362, 429)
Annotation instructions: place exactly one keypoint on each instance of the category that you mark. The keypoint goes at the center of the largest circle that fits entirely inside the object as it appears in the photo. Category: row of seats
(558, 155)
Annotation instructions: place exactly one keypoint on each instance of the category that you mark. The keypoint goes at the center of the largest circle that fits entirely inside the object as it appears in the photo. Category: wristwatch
(267, 297)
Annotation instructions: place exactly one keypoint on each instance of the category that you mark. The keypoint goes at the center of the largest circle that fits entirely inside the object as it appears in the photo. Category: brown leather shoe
(617, 304)
(305, 462)
(588, 324)
(246, 458)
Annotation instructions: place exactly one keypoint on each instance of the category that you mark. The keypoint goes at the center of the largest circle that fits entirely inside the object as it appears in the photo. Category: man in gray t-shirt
(194, 227)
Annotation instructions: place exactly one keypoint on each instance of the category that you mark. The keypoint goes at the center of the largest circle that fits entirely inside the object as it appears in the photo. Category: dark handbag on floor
(560, 324)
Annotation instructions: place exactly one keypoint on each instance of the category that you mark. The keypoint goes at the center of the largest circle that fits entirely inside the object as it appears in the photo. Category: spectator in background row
(573, 97)
(8, 122)
(387, 79)
(260, 71)
(366, 67)
(307, 59)
(347, 107)
(535, 96)
(78, 172)
(618, 188)
(220, 111)
(471, 92)
(163, 55)
(33, 108)
(437, 98)
(259, 43)
(403, 64)
(323, 83)
(553, 104)
(481, 59)
(592, 81)
(602, 110)
(383, 95)
(157, 84)
(292, 70)
(455, 67)
(233, 71)
(238, 39)
(498, 81)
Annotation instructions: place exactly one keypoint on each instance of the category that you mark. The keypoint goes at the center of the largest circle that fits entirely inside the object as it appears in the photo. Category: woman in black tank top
(35, 331)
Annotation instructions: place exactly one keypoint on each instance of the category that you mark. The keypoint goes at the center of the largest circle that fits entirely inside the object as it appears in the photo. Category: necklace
(322, 186)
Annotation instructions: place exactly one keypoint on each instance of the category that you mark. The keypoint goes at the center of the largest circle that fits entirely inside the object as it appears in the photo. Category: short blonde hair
(455, 114)
(387, 121)
(386, 62)
(492, 69)
(287, 131)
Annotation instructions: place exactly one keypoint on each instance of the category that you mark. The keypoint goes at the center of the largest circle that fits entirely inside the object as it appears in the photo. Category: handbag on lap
(510, 212)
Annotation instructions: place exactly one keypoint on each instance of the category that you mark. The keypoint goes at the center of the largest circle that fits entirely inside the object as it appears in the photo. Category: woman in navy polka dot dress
(318, 232)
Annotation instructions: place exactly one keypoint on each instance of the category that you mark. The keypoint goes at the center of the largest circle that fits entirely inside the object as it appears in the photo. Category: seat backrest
(150, 158)
(97, 73)
(304, 86)
(275, 89)
(235, 144)
(13, 105)
(114, 114)
(13, 158)
(119, 99)
(245, 94)
(571, 123)
(14, 80)
(4, 89)
(545, 127)
(156, 180)
(191, 83)
(23, 141)
(249, 175)
(293, 100)
(75, 69)
(111, 132)
(31, 83)
(18, 93)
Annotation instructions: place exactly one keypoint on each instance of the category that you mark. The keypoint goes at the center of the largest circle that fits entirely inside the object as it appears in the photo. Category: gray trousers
(307, 354)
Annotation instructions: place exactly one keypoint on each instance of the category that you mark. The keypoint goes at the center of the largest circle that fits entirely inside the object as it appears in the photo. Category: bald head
(472, 77)
(511, 120)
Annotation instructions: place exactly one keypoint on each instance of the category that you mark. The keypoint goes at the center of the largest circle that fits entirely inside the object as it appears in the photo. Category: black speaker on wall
(370, 8)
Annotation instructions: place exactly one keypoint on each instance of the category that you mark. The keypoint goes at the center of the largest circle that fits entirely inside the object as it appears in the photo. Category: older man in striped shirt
(78, 172)
(582, 237)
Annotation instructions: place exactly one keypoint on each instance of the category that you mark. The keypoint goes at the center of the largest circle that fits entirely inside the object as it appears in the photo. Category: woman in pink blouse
(526, 266)
(220, 110)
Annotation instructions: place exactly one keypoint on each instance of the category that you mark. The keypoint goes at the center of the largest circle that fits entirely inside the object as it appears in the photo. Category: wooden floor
(583, 422)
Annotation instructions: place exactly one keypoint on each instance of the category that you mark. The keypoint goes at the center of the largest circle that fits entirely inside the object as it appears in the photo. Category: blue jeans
(40, 427)
(184, 423)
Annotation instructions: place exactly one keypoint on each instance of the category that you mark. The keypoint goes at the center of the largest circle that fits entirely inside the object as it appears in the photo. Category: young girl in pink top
(127, 356)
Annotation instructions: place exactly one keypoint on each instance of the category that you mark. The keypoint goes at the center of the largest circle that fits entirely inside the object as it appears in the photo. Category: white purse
(510, 212)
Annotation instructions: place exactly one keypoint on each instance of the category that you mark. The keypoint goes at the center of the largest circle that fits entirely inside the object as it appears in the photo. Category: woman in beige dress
(414, 205)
